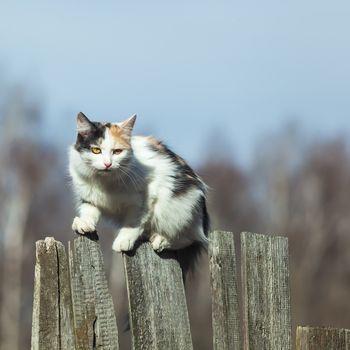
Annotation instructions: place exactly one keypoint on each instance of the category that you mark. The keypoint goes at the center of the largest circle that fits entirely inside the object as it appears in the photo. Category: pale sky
(189, 69)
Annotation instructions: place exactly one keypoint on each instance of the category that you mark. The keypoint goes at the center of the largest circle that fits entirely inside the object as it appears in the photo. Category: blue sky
(191, 70)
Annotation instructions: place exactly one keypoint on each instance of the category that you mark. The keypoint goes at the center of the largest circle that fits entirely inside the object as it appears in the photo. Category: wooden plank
(65, 300)
(52, 313)
(223, 280)
(45, 326)
(322, 338)
(157, 303)
(94, 319)
(266, 295)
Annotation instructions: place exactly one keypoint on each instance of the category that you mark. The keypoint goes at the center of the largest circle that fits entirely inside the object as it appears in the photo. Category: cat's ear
(84, 126)
(128, 125)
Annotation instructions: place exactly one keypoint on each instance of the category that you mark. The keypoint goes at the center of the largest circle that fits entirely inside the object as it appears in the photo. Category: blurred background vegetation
(295, 188)
(255, 97)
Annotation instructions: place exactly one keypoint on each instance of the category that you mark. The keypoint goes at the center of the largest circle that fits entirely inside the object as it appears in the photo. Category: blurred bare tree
(305, 196)
(17, 185)
(25, 164)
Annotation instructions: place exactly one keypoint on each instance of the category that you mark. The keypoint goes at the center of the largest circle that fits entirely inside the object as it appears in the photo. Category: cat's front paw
(82, 226)
(123, 244)
(126, 239)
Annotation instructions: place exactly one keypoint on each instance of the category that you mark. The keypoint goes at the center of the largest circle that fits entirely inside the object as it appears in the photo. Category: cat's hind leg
(159, 242)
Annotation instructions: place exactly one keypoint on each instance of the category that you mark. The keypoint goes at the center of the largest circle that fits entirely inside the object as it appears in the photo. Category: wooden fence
(73, 308)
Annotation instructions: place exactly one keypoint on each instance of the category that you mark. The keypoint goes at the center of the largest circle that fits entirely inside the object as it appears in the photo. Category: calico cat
(138, 183)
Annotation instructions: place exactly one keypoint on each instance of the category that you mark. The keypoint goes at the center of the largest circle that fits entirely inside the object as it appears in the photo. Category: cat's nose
(107, 164)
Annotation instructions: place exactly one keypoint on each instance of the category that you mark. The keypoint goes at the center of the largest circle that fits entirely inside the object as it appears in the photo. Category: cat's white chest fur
(111, 197)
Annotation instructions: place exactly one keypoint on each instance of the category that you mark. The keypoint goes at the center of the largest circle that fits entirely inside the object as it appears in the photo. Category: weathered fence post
(157, 303)
(52, 310)
(223, 278)
(266, 296)
(94, 319)
(319, 338)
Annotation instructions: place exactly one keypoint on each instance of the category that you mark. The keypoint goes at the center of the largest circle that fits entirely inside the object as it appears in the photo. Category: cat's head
(104, 147)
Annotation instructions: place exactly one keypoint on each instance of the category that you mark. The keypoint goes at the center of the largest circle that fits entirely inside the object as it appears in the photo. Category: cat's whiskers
(120, 177)
(128, 175)
(132, 171)
(133, 178)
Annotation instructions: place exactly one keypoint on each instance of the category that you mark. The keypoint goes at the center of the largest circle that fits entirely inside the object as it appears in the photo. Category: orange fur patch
(119, 136)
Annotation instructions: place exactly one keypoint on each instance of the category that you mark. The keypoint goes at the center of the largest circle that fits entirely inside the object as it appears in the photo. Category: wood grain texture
(223, 280)
(157, 303)
(319, 338)
(52, 313)
(266, 295)
(94, 319)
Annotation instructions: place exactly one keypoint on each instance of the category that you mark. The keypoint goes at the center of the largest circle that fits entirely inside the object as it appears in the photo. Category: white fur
(141, 199)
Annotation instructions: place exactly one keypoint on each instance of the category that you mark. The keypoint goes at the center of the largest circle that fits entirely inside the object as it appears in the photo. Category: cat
(140, 184)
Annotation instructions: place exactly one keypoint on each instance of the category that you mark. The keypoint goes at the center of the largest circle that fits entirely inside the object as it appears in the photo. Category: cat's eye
(117, 151)
(95, 150)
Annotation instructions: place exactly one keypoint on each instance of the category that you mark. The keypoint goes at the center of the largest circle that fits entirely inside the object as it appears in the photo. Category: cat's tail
(189, 257)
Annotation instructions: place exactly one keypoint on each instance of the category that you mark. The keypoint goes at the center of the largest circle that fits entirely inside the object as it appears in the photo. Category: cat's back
(168, 167)
(149, 151)
(155, 155)
(177, 194)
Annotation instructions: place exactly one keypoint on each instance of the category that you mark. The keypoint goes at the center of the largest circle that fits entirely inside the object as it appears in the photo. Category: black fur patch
(205, 216)
(83, 201)
(182, 183)
(84, 142)
(185, 177)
